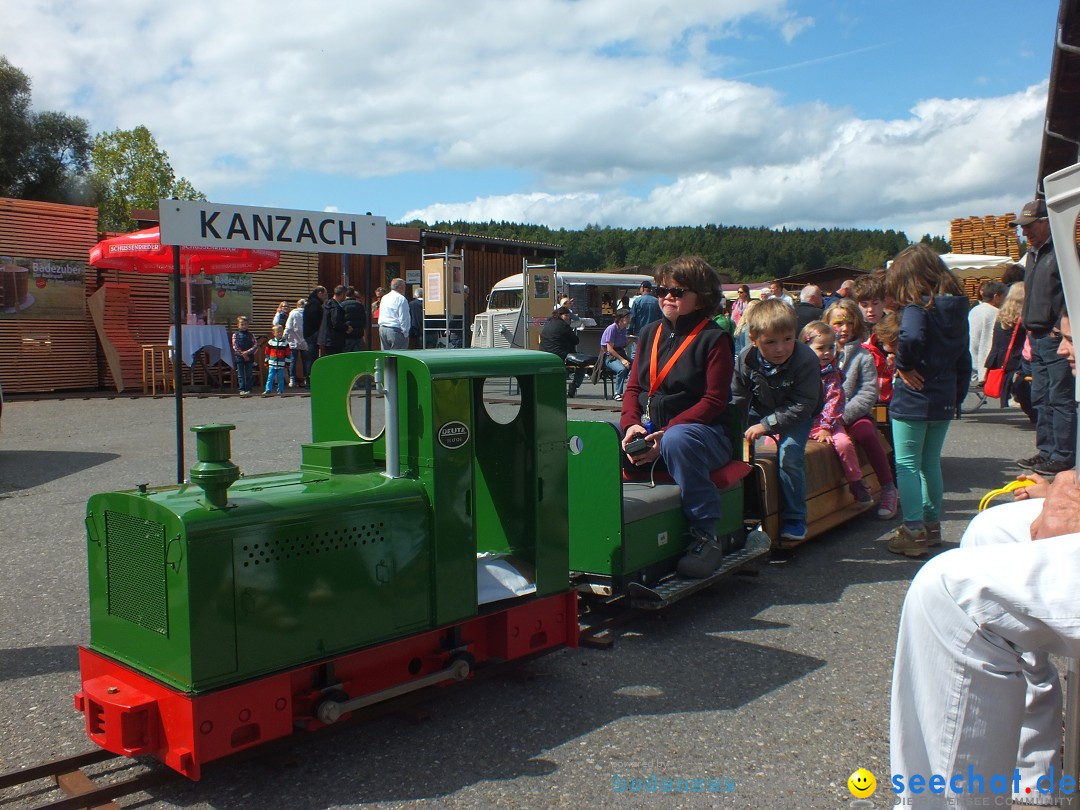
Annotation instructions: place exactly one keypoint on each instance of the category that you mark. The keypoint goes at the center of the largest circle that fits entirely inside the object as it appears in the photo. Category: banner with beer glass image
(218, 299)
(42, 289)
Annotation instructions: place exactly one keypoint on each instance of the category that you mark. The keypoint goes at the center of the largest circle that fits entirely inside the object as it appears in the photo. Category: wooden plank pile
(989, 235)
(42, 354)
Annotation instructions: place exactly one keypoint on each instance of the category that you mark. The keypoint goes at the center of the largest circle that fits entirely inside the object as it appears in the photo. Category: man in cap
(644, 310)
(1052, 384)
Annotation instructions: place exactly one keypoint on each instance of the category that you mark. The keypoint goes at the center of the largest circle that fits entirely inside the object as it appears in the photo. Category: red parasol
(142, 252)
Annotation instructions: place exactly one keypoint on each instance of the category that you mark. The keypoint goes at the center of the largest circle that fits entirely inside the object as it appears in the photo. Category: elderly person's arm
(1061, 510)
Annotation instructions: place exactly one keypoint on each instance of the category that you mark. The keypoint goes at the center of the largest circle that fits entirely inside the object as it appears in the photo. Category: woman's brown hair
(694, 273)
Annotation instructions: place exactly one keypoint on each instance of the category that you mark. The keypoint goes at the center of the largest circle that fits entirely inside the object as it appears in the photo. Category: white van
(515, 315)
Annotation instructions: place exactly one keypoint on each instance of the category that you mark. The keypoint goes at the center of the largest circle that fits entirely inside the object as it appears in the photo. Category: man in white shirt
(981, 325)
(394, 319)
(776, 290)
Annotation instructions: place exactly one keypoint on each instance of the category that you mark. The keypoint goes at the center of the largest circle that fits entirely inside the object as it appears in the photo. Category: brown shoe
(909, 542)
(933, 533)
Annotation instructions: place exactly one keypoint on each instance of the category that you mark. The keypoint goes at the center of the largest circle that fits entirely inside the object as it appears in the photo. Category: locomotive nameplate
(453, 435)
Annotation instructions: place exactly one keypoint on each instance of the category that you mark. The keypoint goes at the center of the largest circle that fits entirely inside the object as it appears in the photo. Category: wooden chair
(157, 363)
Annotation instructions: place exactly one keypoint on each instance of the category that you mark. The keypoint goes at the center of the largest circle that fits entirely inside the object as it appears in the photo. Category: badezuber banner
(42, 289)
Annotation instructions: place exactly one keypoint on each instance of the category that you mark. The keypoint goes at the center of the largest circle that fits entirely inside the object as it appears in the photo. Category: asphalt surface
(775, 686)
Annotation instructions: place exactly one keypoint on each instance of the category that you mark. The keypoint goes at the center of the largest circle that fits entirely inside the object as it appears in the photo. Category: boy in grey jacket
(777, 385)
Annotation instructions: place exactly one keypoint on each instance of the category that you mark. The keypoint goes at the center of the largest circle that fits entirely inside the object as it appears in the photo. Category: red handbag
(995, 377)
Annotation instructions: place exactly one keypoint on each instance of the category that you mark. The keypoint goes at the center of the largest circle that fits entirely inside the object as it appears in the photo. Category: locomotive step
(672, 589)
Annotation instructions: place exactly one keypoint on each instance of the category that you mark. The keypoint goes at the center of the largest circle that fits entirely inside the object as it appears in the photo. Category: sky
(892, 114)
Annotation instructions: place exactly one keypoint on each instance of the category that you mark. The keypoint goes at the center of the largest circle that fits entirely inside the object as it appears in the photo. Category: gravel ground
(776, 685)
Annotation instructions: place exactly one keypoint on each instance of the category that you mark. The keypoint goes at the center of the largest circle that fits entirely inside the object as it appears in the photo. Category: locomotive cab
(498, 488)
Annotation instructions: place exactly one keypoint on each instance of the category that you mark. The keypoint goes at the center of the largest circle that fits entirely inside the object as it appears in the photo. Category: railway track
(80, 789)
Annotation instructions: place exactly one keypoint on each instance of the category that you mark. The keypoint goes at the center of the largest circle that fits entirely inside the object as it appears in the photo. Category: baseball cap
(1036, 209)
(647, 284)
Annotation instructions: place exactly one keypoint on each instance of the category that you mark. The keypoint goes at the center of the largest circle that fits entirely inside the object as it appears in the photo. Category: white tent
(973, 261)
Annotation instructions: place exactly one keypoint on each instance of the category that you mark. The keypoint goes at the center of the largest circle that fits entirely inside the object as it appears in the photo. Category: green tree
(43, 156)
(938, 243)
(130, 171)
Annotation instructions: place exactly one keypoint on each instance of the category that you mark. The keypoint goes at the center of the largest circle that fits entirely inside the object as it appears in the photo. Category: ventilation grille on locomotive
(135, 561)
(299, 546)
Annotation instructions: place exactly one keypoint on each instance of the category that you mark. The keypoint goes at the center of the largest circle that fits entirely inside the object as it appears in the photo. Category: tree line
(743, 253)
(50, 156)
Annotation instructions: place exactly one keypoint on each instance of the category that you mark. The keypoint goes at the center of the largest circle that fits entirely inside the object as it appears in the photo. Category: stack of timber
(123, 354)
(42, 354)
(989, 235)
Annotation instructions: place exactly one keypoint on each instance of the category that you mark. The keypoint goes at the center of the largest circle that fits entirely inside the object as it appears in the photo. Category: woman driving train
(676, 395)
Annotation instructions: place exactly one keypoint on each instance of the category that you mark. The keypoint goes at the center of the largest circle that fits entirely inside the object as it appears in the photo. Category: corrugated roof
(490, 240)
(1061, 132)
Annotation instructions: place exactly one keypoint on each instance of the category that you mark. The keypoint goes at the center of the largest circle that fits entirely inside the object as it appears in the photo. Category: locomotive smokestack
(214, 472)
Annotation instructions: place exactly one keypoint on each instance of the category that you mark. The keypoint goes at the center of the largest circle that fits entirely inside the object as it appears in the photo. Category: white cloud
(949, 158)
(585, 99)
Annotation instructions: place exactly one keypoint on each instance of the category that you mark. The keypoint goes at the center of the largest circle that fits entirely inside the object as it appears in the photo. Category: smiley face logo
(862, 784)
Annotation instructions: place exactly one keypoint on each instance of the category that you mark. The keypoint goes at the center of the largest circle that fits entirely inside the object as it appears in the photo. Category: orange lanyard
(654, 378)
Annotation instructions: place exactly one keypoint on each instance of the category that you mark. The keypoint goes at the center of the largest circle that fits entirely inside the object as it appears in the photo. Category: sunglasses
(674, 292)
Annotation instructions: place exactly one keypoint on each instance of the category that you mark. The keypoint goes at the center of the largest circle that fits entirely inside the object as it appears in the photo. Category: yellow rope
(1009, 487)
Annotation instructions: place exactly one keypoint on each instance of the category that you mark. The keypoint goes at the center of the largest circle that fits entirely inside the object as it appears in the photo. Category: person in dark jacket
(810, 306)
(416, 312)
(313, 313)
(777, 385)
(334, 328)
(559, 338)
(933, 368)
(356, 321)
(676, 397)
(1052, 386)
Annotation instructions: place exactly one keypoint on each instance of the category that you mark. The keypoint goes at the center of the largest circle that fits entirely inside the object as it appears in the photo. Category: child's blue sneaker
(793, 530)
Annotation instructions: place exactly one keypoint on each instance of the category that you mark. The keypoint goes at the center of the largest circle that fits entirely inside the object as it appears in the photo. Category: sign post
(200, 223)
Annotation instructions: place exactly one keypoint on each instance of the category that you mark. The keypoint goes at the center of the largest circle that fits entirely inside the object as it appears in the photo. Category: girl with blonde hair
(861, 392)
(1008, 319)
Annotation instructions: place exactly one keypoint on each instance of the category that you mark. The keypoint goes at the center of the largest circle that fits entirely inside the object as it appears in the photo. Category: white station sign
(206, 224)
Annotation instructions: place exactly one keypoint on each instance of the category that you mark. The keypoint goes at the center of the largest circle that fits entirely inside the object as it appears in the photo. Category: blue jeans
(918, 468)
(690, 453)
(791, 469)
(311, 354)
(243, 374)
(275, 374)
(1052, 398)
(619, 371)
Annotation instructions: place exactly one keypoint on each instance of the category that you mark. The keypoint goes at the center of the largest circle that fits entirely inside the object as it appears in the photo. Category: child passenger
(828, 427)
(777, 383)
(933, 368)
(869, 293)
(861, 390)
